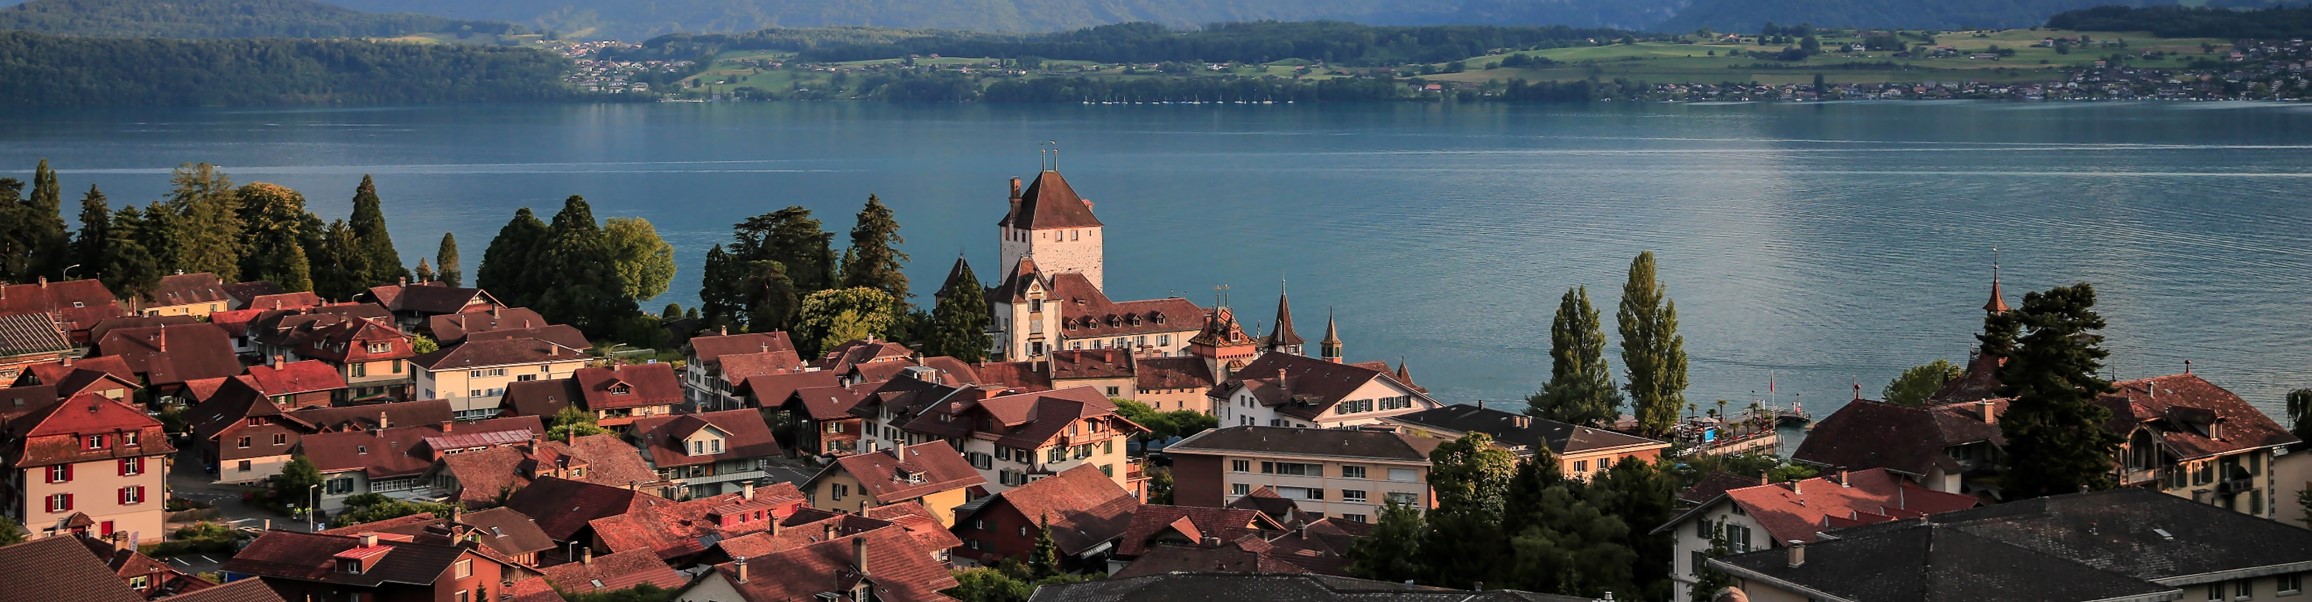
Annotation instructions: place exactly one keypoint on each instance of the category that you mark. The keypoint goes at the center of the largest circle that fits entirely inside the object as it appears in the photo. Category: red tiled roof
(21, 400)
(1048, 203)
(909, 472)
(807, 526)
(708, 350)
(1092, 363)
(851, 353)
(1799, 510)
(602, 459)
(363, 417)
(406, 450)
(428, 298)
(506, 532)
(559, 334)
(1029, 420)
(296, 377)
(1173, 373)
(52, 434)
(2168, 404)
(107, 325)
(683, 529)
(1027, 376)
(534, 589)
(1229, 557)
(313, 557)
(738, 367)
(1874, 434)
(58, 569)
(562, 507)
(896, 570)
(1083, 506)
(623, 570)
(187, 289)
(1308, 387)
(245, 590)
(1189, 525)
(235, 321)
(56, 296)
(746, 436)
(1087, 313)
(455, 327)
(173, 354)
(296, 300)
(475, 353)
(539, 397)
(629, 386)
(776, 390)
(919, 523)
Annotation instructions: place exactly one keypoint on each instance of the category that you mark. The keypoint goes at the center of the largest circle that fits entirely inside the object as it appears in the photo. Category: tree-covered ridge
(2181, 22)
(38, 70)
(225, 19)
(1254, 42)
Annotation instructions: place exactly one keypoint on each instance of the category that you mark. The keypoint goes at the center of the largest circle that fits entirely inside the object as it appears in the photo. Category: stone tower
(1051, 224)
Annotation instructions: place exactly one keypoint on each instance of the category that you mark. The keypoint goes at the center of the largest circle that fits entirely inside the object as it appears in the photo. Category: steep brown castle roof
(1049, 203)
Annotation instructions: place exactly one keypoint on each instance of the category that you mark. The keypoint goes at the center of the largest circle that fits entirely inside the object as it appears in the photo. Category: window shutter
(121, 497)
(124, 466)
(67, 479)
(67, 501)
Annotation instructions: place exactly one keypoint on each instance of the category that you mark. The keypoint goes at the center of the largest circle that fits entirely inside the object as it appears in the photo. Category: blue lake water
(1824, 244)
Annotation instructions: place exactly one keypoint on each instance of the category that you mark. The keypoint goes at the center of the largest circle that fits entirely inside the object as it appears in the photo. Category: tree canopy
(1652, 350)
(2056, 437)
(874, 259)
(645, 263)
(1917, 383)
(1580, 388)
(832, 317)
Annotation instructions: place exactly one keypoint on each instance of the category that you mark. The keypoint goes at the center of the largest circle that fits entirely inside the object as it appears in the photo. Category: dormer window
(95, 441)
(621, 389)
(349, 565)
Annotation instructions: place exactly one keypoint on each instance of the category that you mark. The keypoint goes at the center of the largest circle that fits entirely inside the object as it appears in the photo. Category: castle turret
(1050, 222)
(1331, 346)
(1282, 339)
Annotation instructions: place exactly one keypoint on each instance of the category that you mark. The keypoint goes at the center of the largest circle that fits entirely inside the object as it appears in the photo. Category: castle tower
(1050, 223)
(1282, 339)
(1331, 346)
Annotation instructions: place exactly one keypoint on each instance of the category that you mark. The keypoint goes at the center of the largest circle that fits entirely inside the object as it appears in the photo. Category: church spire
(1331, 346)
(1998, 303)
(1282, 338)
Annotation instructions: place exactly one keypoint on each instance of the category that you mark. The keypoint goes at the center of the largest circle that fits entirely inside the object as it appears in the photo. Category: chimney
(278, 360)
(448, 425)
(382, 421)
(742, 562)
(1794, 487)
(725, 331)
(44, 279)
(1015, 189)
(369, 540)
(829, 533)
(586, 556)
(1842, 482)
(404, 281)
(162, 339)
(1989, 417)
(1797, 553)
(859, 555)
(747, 490)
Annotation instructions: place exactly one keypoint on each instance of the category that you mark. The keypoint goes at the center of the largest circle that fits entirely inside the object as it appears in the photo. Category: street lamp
(312, 519)
(68, 271)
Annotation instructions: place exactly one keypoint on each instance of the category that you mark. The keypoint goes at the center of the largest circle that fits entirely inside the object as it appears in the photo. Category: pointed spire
(1282, 337)
(1404, 375)
(1998, 303)
(960, 274)
(1330, 348)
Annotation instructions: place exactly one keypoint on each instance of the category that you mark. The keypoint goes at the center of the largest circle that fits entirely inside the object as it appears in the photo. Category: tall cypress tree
(2056, 437)
(1580, 388)
(206, 225)
(507, 267)
(129, 267)
(89, 248)
(960, 317)
(720, 299)
(274, 236)
(1652, 350)
(51, 243)
(874, 259)
(446, 262)
(384, 263)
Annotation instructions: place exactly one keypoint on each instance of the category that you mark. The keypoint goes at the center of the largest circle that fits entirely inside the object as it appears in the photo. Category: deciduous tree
(793, 238)
(1915, 385)
(833, 317)
(1393, 551)
(645, 263)
(2056, 437)
(1580, 388)
(1652, 350)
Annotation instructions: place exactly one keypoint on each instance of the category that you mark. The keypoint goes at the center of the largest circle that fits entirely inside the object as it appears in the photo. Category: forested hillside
(39, 70)
(225, 19)
(2180, 22)
(1332, 42)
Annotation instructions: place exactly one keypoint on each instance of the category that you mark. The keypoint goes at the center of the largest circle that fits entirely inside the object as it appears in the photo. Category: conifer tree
(206, 224)
(158, 230)
(342, 264)
(18, 237)
(770, 296)
(793, 238)
(89, 248)
(509, 262)
(577, 282)
(2057, 441)
(446, 259)
(1044, 562)
(274, 220)
(1580, 388)
(721, 300)
(51, 244)
(383, 262)
(959, 317)
(129, 268)
(1652, 350)
(874, 259)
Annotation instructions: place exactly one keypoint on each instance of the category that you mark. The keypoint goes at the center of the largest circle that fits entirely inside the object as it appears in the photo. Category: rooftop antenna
(1220, 296)
(1050, 153)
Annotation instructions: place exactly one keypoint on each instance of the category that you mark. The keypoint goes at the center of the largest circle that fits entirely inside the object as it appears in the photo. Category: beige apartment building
(87, 466)
(475, 374)
(1335, 473)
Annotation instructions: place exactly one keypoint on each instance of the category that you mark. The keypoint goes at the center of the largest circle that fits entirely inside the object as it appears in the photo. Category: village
(439, 445)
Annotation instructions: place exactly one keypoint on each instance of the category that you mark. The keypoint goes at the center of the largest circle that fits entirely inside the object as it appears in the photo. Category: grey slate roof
(1314, 442)
(1507, 428)
(1205, 587)
(1939, 563)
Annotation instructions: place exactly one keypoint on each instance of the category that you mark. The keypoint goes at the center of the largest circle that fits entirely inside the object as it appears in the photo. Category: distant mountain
(223, 19)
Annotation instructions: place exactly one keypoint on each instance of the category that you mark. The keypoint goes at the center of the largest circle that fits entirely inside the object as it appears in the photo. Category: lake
(1821, 244)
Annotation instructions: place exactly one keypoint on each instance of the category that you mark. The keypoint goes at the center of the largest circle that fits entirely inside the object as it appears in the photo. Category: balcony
(2238, 485)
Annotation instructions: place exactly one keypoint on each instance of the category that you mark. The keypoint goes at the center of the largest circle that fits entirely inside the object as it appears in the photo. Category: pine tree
(129, 267)
(158, 233)
(509, 264)
(770, 297)
(452, 273)
(18, 237)
(206, 223)
(423, 272)
(89, 249)
(1044, 562)
(578, 285)
(2056, 437)
(343, 269)
(274, 219)
(51, 243)
(874, 259)
(791, 237)
(1580, 388)
(1652, 350)
(959, 318)
(384, 263)
(721, 300)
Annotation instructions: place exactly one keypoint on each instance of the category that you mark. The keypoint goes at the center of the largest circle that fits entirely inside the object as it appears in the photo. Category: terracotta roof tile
(402, 451)
(296, 300)
(1174, 373)
(601, 459)
(709, 349)
(313, 557)
(291, 378)
(1187, 525)
(562, 507)
(909, 472)
(559, 334)
(1800, 510)
(852, 353)
(778, 390)
(187, 289)
(52, 434)
(1083, 506)
(1302, 387)
(429, 298)
(388, 415)
(540, 397)
(687, 528)
(1029, 420)
(245, 590)
(1087, 313)
(746, 436)
(623, 570)
(59, 569)
(896, 570)
(629, 386)
(455, 327)
(919, 523)
(53, 296)
(1048, 203)
(534, 589)
(173, 354)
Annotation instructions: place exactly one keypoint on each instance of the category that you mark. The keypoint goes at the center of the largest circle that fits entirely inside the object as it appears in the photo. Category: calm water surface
(1824, 244)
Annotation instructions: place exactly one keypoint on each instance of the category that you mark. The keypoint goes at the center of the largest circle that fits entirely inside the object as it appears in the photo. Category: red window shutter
(67, 501)
(140, 494)
(120, 497)
(124, 466)
(67, 473)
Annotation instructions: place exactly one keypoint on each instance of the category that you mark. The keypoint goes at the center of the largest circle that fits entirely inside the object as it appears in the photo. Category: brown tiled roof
(1875, 434)
(1155, 523)
(1227, 558)
(31, 333)
(52, 434)
(1083, 506)
(644, 385)
(807, 526)
(1268, 502)
(455, 327)
(1026, 376)
(58, 569)
(1520, 430)
(909, 472)
(623, 570)
(312, 557)
(1281, 334)
(428, 298)
(107, 325)
(1087, 313)
(187, 289)
(235, 321)
(1029, 420)
(559, 334)
(540, 397)
(1308, 387)
(297, 300)
(918, 522)
(747, 436)
(534, 589)
(363, 417)
(896, 570)
(562, 507)
(1712, 485)
(1049, 203)
(402, 451)
(1379, 445)
(1092, 363)
(830, 402)
(246, 291)
(296, 377)
(475, 353)
(1174, 373)
(1799, 510)
(127, 563)
(173, 354)
(245, 590)
(2169, 404)
(738, 367)
(710, 349)
(1013, 287)
(346, 340)
(603, 458)
(22, 400)
(851, 353)
(67, 373)
(56, 296)
(684, 529)
(506, 532)
(775, 390)
(1979, 382)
